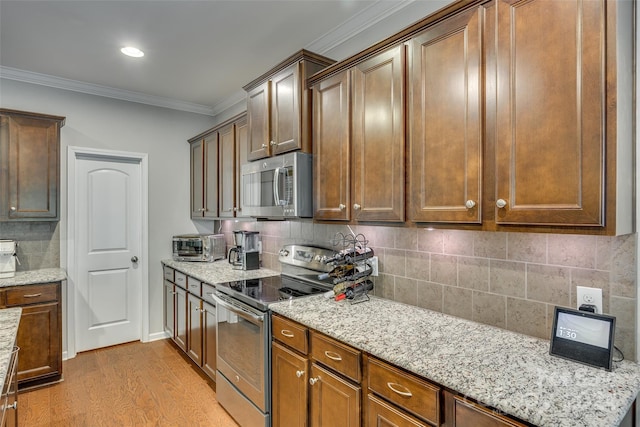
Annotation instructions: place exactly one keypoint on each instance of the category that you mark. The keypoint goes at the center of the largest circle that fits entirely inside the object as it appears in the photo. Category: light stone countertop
(217, 272)
(9, 321)
(32, 277)
(511, 372)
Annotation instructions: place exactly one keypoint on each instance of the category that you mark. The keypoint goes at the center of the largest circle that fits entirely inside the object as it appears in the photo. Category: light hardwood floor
(132, 384)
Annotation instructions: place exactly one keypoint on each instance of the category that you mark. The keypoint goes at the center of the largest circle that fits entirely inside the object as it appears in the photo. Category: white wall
(109, 124)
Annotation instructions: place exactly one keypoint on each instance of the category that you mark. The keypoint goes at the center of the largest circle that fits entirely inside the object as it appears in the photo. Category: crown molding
(99, 90)
(370, 16)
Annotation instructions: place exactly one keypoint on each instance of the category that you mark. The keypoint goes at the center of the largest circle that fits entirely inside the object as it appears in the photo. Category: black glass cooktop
(259, 293)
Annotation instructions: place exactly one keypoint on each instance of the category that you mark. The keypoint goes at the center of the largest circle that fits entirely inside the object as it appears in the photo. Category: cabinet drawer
(469, 414)
(181, 280)
(168, 273)
(337, 356)
(31, 294)
(195, 286)
(207, 290)
(291, 334)
(409, 392)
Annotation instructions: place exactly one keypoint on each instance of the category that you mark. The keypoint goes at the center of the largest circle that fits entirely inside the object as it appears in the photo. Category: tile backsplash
(38, 243)
(508, 280)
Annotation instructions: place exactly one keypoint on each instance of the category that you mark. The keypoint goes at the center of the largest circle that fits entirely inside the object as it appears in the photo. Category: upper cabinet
(216, 156)
(29, 166)
(279, 109)
(359, 141)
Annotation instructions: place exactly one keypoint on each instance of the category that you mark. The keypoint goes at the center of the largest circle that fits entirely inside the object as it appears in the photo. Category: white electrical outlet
(592, 296)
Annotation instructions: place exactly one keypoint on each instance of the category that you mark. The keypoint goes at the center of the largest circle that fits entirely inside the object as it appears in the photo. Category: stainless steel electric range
(243, 381)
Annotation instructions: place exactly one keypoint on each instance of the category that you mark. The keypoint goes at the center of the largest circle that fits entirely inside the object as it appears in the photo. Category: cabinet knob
(12, 209)
(501, 203)
(312, 381)
(342, 206)
(263, 146)
(470, 204)
(356, 206)
(299, 373)
(134, 259)
(235, 209)
(273, 143)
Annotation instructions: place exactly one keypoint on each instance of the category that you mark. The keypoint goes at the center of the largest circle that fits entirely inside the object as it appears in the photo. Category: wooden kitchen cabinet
(278, 106)
(169, 320)
(194, 326)
(40, 331)
(209, 330)
(180, 311)
(289, 376)
(333, 401)
(29, 166)
(469, 414)
(9, 397)
(380, 413)
(445, 116)
(359, 154)
(216, 157)
(204, 176)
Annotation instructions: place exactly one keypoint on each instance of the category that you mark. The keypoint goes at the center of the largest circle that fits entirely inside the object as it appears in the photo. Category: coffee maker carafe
(246, 253)
(7, 258)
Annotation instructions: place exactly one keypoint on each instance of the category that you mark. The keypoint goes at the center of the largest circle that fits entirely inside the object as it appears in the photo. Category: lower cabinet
(318, 381)
(190, 318)
(9, 397)
(40, 331)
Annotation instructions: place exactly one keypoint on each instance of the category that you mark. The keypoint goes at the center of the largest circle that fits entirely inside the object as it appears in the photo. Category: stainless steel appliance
(243, 381)
(198, 247)
(246, 253)
(278, 187)
(7, 258)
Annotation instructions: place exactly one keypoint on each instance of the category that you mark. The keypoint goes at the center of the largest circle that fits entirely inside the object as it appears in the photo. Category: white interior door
(108, 243)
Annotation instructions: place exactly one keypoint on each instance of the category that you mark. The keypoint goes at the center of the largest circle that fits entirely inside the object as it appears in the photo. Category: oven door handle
(248, 315)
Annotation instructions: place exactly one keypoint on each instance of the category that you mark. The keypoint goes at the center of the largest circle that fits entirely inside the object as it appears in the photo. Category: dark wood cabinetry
(278, 106)
(29, 166)
(9, 397)
(290, 376)
(204, 177)
(40, 331)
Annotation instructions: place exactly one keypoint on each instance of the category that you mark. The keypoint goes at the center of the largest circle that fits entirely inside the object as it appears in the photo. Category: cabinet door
(33, 168)
(289, 387)
(380, 413)
(333, 400)
(194, 325)
(228, 173)
(550, 112)
(40, 342)
(378, 137)
(285, 110)
(445, 127)
(331, 161)
(169, 306)
(259, 121)
(197, 179)
(211, 176)
(209, 352)
(180, 311)
(469, 414)
(242, 135)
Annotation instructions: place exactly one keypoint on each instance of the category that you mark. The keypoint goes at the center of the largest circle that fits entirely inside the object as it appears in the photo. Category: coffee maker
(7, 258)
(246, 253)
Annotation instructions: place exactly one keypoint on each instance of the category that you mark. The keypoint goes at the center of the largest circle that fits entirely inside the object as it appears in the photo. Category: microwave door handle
(276, 181)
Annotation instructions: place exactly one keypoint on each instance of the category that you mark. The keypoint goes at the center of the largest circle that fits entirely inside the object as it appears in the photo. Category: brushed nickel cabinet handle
(333, 356)
(13, 209)
(299, 373)
(342, 206)
(287, 333)
(393, 388)
(501, 203)
(312, 381)
(273, 143)
(356, 206)
(470, 204)
(32, 295)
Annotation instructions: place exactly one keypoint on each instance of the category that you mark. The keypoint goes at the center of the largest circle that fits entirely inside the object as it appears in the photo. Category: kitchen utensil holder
(353, 241)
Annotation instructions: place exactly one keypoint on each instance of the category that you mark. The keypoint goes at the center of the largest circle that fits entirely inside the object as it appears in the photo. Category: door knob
(134, 259)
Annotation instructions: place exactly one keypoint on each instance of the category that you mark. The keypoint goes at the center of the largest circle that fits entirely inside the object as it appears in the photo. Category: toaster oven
(199, 247)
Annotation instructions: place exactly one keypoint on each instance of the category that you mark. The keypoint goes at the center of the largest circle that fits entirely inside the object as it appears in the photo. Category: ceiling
(198, 54)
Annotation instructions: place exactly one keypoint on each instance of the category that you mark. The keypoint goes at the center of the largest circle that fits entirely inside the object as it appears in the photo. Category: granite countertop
(511, 372)
(31, 277)
(217, 272)
(9, 321)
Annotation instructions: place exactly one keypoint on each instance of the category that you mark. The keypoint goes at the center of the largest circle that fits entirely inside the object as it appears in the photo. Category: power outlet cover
(591, 296)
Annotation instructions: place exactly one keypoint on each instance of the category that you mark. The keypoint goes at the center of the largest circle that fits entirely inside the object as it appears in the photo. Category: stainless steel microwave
(278, 187)
(198, 247)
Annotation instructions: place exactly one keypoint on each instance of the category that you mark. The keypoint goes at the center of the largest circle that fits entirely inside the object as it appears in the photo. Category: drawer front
(290, 334)
(409, 392)
(207, 290)
(31, 294)
(168, 273)
(195, 286)
(337, 356)
(181, 280)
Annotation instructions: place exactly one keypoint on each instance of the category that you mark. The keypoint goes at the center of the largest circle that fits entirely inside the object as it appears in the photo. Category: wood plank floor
(131, 384)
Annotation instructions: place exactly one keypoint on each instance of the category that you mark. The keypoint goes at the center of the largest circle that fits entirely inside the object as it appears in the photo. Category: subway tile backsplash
(38, 243)
(508, 280)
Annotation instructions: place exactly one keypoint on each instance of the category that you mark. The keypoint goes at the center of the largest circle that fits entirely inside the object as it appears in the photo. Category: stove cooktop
(259, 293)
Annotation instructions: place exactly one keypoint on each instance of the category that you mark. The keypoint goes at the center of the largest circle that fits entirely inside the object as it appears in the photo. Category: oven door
(243, 339)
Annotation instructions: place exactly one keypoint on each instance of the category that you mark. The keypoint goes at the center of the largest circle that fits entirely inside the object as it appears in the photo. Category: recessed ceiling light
(132, 51)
